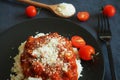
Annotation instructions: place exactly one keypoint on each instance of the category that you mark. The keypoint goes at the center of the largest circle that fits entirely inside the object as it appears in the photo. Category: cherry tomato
(86, 52)
(83, 16)
(78, 41)
(31, 11)
(109, 10)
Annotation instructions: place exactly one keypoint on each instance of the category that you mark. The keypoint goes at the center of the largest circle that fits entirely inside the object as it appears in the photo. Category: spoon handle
(38, 4)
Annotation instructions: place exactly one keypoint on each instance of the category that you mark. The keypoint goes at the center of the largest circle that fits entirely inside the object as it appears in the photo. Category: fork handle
(111, 60)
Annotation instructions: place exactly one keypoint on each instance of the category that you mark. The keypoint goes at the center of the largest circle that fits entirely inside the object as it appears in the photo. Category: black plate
(11, 39)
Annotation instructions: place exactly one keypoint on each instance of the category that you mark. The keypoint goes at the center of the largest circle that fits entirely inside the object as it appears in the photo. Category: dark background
(13, 12)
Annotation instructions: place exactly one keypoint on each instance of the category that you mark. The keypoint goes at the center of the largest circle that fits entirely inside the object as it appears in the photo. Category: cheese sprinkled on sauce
(48, 52)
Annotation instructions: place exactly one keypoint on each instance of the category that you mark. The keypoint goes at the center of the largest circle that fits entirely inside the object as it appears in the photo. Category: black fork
(104, 33)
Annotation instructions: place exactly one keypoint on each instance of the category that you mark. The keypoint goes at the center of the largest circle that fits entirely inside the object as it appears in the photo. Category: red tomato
(83, 16)
(109, 10)
(78, 41)
(31, 11)
(86, 52)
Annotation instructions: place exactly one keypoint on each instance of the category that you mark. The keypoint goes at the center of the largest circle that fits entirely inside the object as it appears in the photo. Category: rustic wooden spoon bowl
(52, 8)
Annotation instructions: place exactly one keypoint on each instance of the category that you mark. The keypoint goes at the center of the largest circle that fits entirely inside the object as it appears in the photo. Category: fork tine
(100, 24)
(108, 25)
(103, 23)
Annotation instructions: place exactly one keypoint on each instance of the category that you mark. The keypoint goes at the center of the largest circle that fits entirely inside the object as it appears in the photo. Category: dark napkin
(12, 12)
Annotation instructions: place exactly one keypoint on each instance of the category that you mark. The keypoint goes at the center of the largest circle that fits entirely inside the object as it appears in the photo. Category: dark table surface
(12, 12)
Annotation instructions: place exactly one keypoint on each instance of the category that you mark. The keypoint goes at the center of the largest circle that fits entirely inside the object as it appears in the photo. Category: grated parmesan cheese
(48, 52)
(65, 67)
(66, 9)
(31, 78)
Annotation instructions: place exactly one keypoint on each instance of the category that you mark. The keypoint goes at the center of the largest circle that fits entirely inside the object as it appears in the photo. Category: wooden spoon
(52, 8)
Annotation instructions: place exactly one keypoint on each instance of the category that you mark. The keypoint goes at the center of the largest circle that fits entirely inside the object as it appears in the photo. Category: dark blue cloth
(12, 12)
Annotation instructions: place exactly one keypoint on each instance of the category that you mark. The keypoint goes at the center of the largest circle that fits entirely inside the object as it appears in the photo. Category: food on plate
(83, 16)
(66, 9)
(31, 11)
(86, 52)
(78, 41)
(109, 10)
(46, 57)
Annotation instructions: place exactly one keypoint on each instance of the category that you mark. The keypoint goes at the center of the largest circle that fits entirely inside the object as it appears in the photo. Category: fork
(104, 33)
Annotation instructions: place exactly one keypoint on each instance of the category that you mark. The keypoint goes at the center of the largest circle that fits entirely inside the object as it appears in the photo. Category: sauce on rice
(49, 57)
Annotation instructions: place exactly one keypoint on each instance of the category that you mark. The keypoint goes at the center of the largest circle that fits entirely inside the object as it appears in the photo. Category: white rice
(18, 70)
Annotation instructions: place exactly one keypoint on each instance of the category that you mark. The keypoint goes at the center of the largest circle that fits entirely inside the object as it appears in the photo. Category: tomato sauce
(33, 67)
